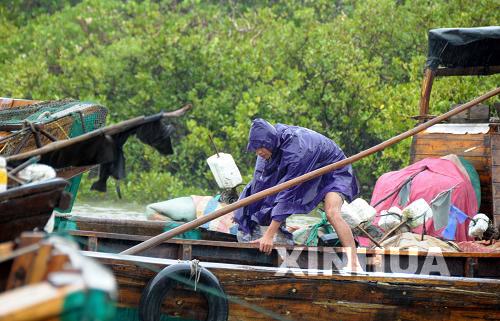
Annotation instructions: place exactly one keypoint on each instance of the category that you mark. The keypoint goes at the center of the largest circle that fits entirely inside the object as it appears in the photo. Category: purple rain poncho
(295, 151)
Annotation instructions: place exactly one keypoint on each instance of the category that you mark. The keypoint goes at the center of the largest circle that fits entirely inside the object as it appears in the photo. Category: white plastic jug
(363, 209)
(416, 212)
(357, 212)
(478, 225)
(226, 173)
(390, 218)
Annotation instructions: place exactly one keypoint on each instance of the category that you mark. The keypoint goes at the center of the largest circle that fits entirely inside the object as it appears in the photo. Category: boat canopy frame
(459, 52)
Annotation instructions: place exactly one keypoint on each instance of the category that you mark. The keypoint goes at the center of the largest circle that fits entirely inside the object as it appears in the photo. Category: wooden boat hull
(478, 265)
(132, 227)
(29, 206)
(262, 293)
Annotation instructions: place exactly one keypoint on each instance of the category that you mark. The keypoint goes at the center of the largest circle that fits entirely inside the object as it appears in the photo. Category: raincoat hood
(262, 134)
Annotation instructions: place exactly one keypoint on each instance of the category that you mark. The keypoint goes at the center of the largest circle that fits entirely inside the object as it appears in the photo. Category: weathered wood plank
(496, 174)
(495, 156)
(46, 302)
(18, 275)
(259, 293)
(209, 243)
(135, 227)
(496, 196)
(496, 205)
(57, 262)
(443, 148)
(450, 137)
(28, 207)
(496, 220)
(481, 164)
(496, 190)
(39, 266)
(495, 160)
(495, 140)
(302, 256)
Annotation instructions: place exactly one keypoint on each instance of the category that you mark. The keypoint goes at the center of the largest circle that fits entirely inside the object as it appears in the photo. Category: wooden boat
(270, 293)
(62, 133)
(26, 125)
(74, 155)
(27, 207)
(48, 279)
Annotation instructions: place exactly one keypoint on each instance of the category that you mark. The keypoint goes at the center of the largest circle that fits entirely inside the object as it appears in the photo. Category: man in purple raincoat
(285, 152)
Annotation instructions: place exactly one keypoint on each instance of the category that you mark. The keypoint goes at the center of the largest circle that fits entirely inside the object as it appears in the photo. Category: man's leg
(333, 204)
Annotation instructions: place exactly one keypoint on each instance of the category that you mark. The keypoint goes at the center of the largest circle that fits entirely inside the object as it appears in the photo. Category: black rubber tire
(157, 289)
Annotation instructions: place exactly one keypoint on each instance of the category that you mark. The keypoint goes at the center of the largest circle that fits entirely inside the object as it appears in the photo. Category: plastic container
(390, 218)
(350, 215)
(363, 209)
(3, 174)
(225, 171)
(478, 225)
(416, 212)
(357, 212)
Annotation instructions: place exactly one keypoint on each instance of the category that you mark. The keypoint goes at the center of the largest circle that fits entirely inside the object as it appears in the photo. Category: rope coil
(195, 271)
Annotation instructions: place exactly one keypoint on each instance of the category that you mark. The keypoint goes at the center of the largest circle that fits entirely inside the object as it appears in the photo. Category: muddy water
(109, 210)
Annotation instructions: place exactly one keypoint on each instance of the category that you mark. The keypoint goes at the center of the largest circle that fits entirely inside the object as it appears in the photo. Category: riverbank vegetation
(350, 70)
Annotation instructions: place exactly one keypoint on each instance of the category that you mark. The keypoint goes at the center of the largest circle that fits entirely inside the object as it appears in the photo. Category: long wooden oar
(301, 179)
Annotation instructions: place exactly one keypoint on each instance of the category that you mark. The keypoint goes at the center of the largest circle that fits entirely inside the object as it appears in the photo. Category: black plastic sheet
(464, 47)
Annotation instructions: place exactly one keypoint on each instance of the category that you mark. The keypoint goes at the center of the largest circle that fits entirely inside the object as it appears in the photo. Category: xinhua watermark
(299, 261)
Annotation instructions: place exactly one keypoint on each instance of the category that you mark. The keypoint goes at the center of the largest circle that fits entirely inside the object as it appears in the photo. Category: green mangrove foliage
(348, 69)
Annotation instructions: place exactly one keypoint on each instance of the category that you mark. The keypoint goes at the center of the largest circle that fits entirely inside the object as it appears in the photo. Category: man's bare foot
(353, 266)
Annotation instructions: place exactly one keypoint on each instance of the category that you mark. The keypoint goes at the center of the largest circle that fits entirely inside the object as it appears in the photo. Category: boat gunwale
(326, 249)
(381, 277)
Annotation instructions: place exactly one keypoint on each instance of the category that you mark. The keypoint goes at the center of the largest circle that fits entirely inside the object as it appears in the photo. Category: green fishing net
(67, 118)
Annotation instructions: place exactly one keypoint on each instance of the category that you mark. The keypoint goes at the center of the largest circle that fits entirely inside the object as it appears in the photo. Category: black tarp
(464, 47)
(107, 150)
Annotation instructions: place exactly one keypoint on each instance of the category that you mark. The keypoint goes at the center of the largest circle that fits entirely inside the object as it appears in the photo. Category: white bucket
(225, 171)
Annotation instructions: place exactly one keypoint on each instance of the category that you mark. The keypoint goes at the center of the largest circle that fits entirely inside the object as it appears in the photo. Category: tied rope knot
(195, 271)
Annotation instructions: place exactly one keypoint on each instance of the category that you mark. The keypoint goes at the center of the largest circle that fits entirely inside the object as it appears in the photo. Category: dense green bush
(348, 69)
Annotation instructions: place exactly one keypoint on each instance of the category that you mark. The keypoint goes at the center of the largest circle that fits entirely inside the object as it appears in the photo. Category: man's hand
(266, 241)
(265, 244)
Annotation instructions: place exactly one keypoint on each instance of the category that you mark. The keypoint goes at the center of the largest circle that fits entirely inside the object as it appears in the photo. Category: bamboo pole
(109, 130)
(306, 177)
